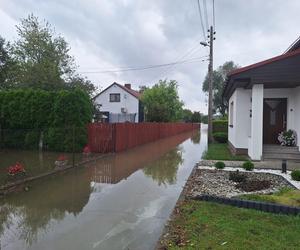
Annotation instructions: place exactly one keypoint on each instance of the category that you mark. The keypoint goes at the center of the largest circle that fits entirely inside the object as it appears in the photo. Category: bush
(220, 126)
(219, 165)
(220, 137)
(237, 177)
(26, 113)
(248, 165)
(295, 175)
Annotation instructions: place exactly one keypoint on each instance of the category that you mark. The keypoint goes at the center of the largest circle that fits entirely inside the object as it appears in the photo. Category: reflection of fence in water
(122, 165)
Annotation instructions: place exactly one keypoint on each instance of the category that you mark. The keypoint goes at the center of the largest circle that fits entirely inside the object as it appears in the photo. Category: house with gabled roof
(120, 103)
(263, 101)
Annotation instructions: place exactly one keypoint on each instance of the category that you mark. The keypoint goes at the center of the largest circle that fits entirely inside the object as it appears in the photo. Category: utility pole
(210, 83)
(210, 80)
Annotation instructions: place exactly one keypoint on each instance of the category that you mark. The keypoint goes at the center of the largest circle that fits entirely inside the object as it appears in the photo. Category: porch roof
(278, 72)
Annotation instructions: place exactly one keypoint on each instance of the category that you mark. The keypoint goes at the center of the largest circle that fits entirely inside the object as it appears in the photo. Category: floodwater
(118, 202)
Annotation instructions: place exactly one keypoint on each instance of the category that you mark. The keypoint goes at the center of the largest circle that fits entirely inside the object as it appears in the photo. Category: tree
(41, 59)
(219, 79)
(4, 62)
(162, 103)
(196, 117)
(187, 115)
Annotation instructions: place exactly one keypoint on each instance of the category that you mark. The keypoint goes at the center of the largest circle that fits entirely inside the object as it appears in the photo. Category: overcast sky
(113, 34)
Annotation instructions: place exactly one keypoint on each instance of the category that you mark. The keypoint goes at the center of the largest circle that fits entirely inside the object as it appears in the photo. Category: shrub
(27, 113)
(295, 175)
(220, 126)
(219, 165)
(237, 177)
(220, 137)
(248, 165)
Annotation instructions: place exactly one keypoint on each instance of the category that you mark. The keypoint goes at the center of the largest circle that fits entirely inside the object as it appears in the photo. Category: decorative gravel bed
(217, 182)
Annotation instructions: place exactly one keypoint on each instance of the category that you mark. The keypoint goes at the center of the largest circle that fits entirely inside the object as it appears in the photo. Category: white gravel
(287, 176)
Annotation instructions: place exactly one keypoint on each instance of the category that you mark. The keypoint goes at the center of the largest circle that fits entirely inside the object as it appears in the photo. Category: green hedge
(27, 114)
(220, 126)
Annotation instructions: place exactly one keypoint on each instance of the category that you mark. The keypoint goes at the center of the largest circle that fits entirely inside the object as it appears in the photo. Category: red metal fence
(104, 138)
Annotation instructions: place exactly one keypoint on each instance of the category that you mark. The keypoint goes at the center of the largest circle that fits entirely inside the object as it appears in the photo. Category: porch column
(257, 106)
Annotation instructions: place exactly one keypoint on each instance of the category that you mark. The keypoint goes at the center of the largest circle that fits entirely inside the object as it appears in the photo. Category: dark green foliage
(220, 126)
(248, 165)
(219, 80)
(196, 117)
(295, 175)
(220, 137)
(219, 165)
(237, 176)
(28, 114)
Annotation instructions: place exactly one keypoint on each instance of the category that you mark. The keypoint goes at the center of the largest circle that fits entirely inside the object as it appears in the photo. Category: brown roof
(135, 93)
(259, 64)
(131, 91)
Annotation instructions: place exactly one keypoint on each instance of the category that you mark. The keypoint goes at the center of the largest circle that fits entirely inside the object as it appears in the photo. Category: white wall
(127, 101)
(239, 132)
(255, 147)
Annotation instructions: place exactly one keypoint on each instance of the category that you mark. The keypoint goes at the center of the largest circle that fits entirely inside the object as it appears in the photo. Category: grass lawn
(220, 151)
(286, 196)
(206, 225)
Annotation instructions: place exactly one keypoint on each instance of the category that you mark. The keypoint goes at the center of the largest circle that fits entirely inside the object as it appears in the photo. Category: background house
(120, 104)
(264, 100)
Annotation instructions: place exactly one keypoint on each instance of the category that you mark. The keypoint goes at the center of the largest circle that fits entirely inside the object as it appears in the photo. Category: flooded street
(118, 202)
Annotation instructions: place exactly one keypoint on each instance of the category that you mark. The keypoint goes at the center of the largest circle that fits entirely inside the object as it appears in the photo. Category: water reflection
(23, 215)
(26, 217)
(164, 170)
(114, 169)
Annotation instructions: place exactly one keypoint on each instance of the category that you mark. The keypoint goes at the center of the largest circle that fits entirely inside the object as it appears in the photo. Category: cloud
(124, 33)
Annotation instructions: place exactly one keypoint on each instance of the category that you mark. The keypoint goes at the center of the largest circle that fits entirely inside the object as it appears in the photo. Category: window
(231, 114)
(114, 97)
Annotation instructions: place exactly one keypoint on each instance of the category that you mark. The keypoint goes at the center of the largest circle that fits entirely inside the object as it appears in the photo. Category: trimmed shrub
(26, 113)
(295, 175)
(237, 176)
(248, 165)
(220, 126)
(220, 137)
(219, 165)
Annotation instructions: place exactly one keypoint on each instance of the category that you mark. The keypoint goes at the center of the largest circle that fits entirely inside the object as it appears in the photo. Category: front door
(275, 111)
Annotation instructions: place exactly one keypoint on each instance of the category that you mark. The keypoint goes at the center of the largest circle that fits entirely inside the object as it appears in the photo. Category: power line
(190, 52)
(145, 67)
(205, 14)
(201, 19)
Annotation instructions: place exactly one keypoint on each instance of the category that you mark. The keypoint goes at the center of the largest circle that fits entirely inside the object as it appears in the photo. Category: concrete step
(281, 149)
(281, 156)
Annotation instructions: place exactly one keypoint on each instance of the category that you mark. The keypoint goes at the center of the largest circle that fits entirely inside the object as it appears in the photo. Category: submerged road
(119, 202)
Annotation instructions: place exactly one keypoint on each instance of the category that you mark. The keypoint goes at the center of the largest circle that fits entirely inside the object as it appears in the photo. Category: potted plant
(61, 161)
(287, 138)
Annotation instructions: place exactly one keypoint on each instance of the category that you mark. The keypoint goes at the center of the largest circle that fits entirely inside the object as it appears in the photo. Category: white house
(120, 104)
(264, 100)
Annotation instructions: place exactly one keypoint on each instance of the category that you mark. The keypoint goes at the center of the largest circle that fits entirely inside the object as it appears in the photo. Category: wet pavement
(119, 202)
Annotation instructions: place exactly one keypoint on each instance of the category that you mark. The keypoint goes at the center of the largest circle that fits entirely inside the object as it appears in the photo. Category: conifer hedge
(59, 117)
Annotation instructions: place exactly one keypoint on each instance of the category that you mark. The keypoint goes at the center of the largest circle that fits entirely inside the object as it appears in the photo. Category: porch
(264, 100)
(277, 152)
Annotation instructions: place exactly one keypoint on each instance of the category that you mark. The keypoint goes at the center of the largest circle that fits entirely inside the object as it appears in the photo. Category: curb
(257, 205)
(10, 187)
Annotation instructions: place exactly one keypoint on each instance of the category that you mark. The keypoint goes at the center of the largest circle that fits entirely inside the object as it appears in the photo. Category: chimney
(127, 85)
